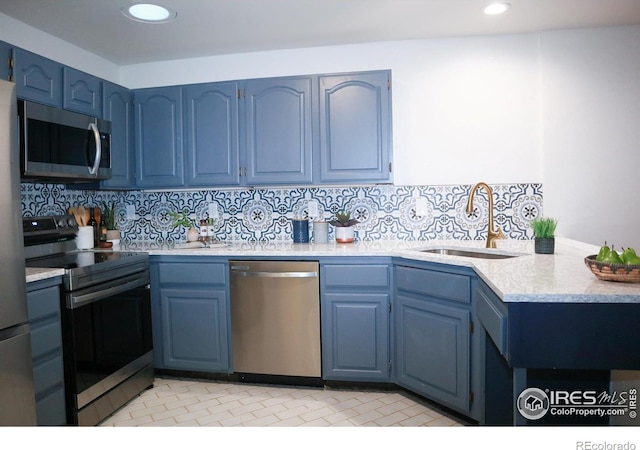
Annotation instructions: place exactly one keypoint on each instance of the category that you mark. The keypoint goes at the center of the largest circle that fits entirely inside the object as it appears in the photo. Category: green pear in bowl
(629, 256)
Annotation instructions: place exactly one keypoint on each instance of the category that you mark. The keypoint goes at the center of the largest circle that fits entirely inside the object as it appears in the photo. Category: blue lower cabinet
(194, 336)
(355, 309)
(434, 346)
(43, 301)
(190, 313)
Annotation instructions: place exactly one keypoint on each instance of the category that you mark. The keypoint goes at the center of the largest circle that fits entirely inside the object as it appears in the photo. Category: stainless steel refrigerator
(17, 399)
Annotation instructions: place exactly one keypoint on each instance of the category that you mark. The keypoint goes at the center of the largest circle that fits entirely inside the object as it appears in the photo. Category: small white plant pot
(345, 235)
(113, 235)
(192, 234)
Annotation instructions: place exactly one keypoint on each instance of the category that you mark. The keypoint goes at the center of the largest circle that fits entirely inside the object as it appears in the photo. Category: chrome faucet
(492, 233)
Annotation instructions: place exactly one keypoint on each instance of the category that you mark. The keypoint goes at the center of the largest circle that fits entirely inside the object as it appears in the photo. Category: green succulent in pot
(344, 227)
(181, 219)
(109, 214)
(343, 219)
(544, 229)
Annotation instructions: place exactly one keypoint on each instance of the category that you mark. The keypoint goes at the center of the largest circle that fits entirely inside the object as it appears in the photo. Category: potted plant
(182, 219)
(544, 229)
(344, 227)
(109, 214)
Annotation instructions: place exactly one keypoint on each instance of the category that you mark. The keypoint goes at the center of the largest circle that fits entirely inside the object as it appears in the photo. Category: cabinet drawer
(45, 338)
(47, 374)
(356, 275)
(43, 302)
(492, 319)
(193, 273)
(447, 286)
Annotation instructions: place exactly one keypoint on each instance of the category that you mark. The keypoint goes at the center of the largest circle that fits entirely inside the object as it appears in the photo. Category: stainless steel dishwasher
(275, 318)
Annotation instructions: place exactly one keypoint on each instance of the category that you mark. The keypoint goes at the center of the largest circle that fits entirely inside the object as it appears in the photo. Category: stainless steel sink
(467, 253)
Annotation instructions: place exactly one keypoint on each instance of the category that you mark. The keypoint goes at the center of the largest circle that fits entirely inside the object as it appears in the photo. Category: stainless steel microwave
(60, 145)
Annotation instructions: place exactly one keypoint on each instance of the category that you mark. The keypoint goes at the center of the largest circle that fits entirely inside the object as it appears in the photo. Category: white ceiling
(215, 27)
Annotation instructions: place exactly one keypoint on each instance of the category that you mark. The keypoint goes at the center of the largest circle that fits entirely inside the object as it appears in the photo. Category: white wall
(34, 40)
(562, 108)
(591, 143)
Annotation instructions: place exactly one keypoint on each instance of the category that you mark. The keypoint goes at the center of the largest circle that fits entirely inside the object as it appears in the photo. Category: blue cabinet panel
(355, 275)
(356, 336)
(278, 130)
(355, 127)
(82, 92)
(37, 78)
(118, 108)
(211, 134)
(5, 55)
(43, 304)
(437, 284)
(355, 307)
(434, 351)
(190, 314)
(191, 337)
(158, 118)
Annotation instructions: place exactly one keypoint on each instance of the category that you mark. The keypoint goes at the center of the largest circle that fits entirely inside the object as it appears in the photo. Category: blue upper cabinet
(355, 128)
(5, 56)
(278, 131)
(118, 108)
(82, 92)
(37, 78)
(211, 134)
(158, 137)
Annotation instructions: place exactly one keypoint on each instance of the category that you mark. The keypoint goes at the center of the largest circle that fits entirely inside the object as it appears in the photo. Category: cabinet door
(46, 350)
(117, 108)
(211, 134)
(158, 141)
(356, 337)
(82, 92)
(433, 350)
(5, 56)
(37, 78)
(355, 128)
(194, 330)
(278, 127)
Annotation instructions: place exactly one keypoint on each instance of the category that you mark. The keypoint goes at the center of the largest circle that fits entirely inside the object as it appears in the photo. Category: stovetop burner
(50, 243)
(79, 259)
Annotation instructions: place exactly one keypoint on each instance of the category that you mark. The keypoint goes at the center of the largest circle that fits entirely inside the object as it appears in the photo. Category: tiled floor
(195, 403)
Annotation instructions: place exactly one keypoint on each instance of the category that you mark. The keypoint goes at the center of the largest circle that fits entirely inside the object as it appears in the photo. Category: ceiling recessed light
(496, 8)
(148, 12)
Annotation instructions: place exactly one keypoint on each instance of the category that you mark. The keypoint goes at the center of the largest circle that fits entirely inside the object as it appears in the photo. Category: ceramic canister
(320, 232)
(300, 230)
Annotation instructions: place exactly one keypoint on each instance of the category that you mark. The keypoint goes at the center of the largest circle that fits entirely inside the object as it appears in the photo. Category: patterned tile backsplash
(385, 212)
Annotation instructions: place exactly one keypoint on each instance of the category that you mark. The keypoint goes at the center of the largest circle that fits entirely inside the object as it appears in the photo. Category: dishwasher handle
(244, 271)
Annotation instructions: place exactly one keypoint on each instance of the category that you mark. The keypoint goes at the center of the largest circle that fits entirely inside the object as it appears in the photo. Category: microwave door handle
(96, 136)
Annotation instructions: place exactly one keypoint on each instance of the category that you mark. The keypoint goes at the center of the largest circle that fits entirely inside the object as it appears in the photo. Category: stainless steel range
(106, 318)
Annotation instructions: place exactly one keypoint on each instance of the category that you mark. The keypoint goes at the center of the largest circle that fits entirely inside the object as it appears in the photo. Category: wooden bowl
(627, 273)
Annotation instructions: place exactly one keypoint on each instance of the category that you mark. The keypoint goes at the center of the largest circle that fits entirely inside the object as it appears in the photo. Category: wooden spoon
(76, 215)
(85, 215)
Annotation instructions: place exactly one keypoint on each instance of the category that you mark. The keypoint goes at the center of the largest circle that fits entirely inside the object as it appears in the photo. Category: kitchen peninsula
(533, 318)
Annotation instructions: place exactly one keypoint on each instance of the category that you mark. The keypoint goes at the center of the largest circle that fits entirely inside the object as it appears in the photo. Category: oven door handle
(95, 293)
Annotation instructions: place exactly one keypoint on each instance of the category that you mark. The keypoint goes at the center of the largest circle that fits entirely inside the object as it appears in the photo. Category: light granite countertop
(529, 277)
(36, 274)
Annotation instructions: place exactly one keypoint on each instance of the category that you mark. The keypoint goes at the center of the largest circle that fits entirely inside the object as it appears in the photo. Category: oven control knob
(71, 222)
(62, 223)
